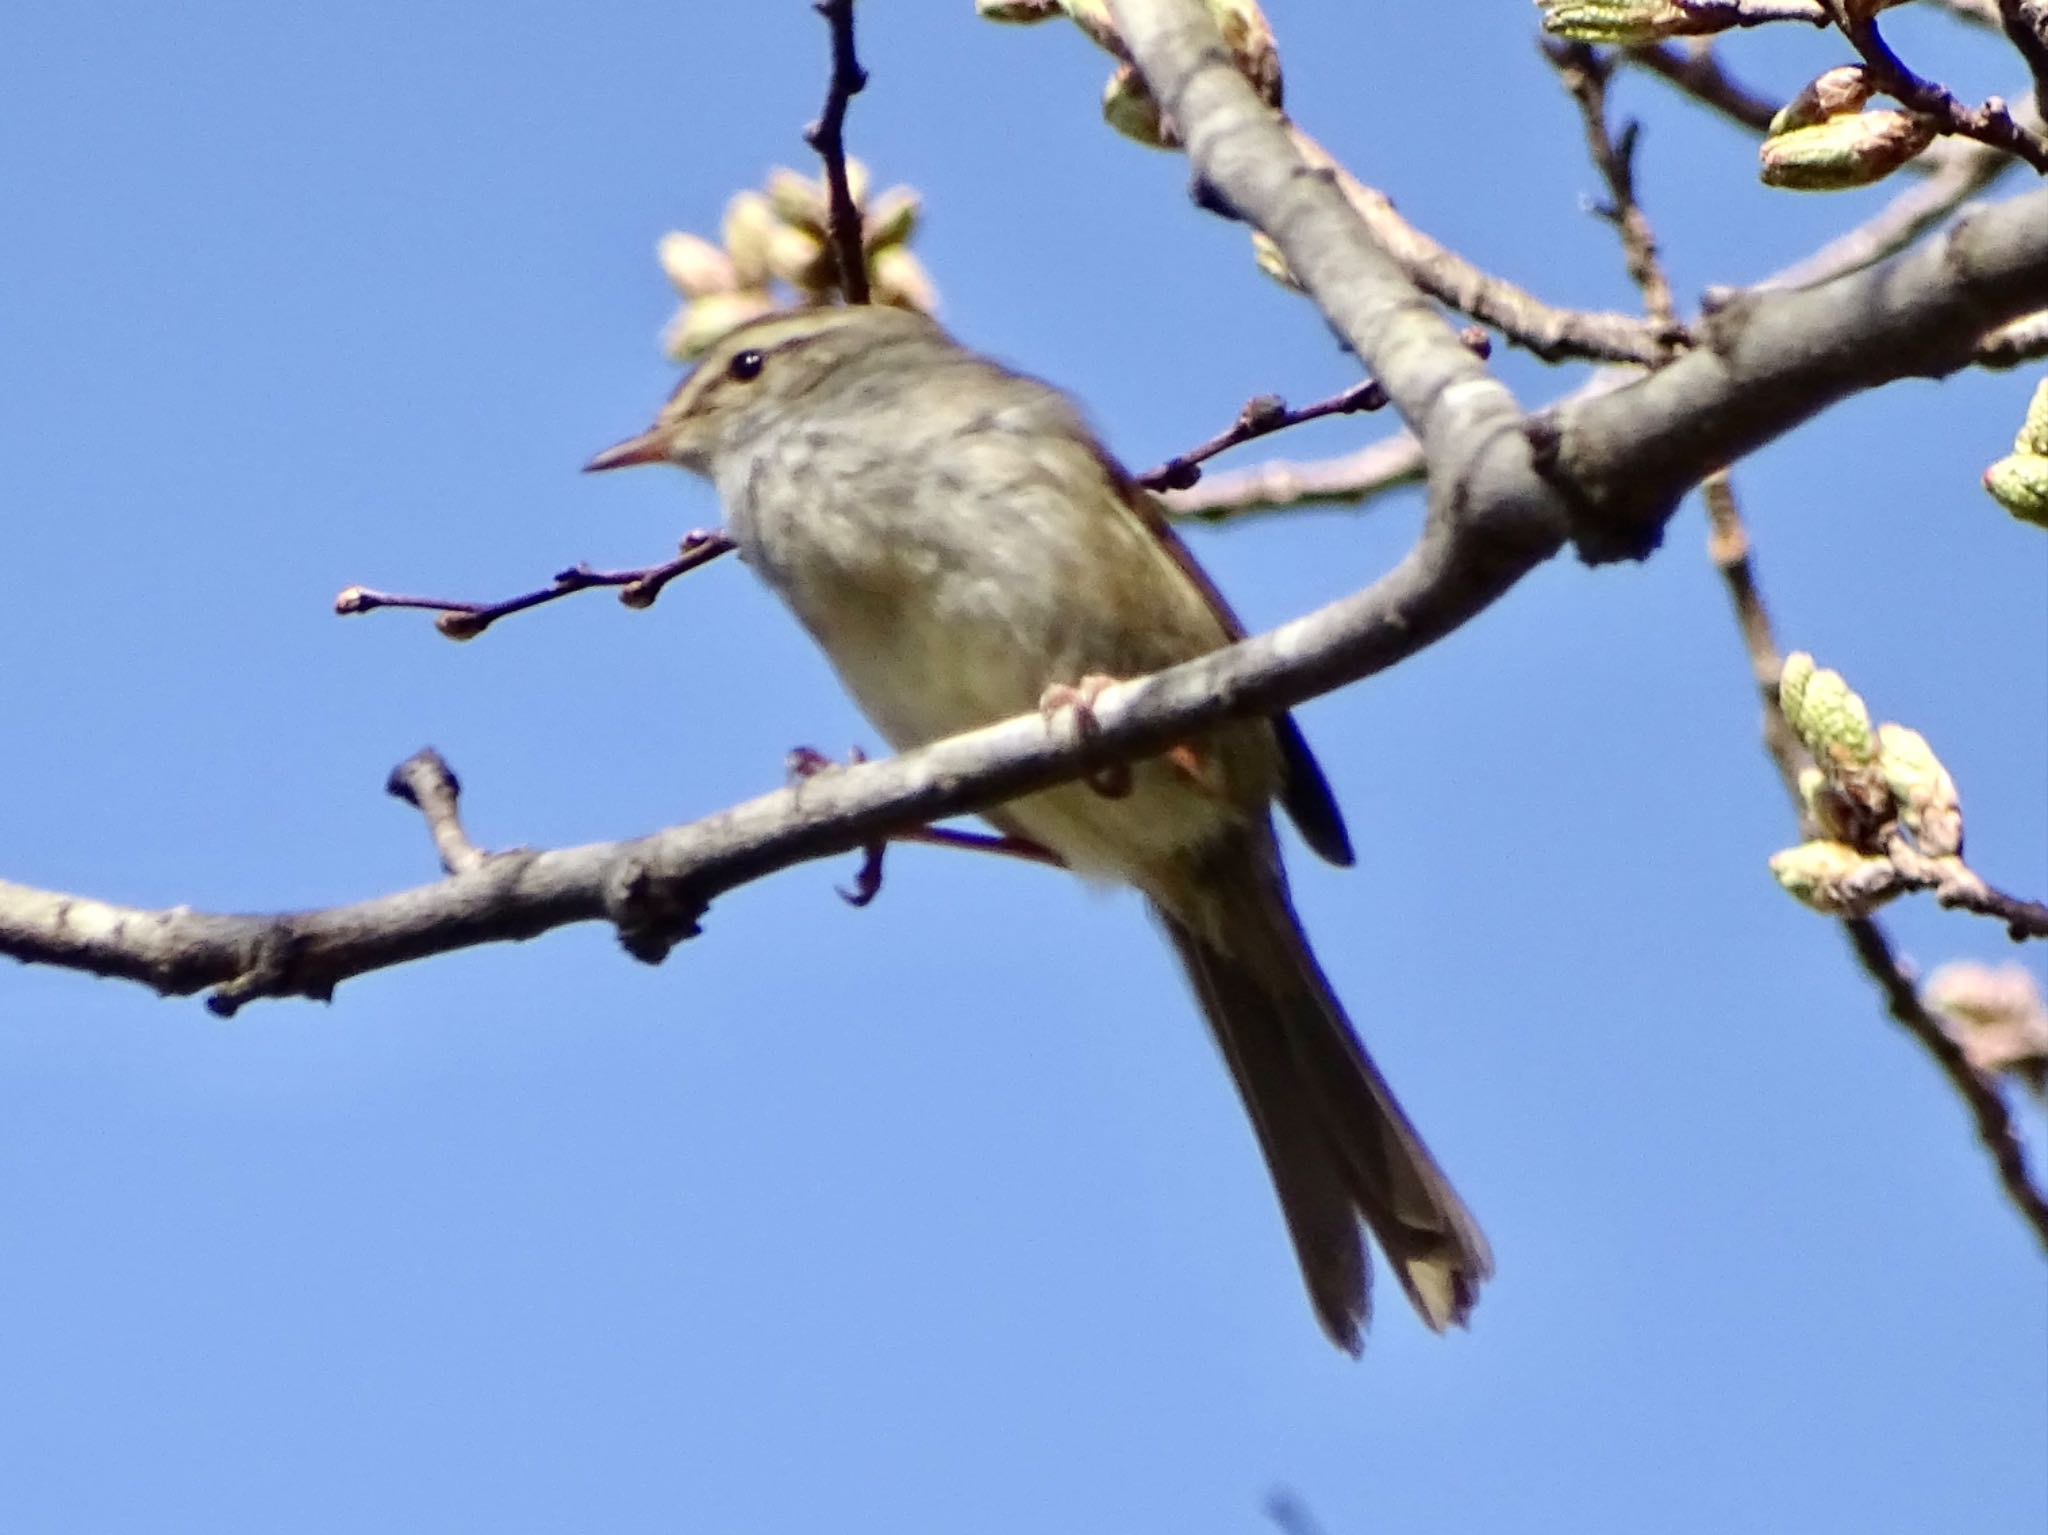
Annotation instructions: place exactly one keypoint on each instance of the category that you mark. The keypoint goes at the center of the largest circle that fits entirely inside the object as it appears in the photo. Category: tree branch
(1771, 360)
(828, 137)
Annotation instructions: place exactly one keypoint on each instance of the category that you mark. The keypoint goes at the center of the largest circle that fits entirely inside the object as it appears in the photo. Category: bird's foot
(1077, 702)
(807, 762)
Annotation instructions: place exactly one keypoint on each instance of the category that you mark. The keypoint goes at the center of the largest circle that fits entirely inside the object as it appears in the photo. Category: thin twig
(1987, 1108)
(1553, 333)
(462, 620)
(1283, 484)
(426, 782)
(828, 137)
(1724, 14)
(1261, 417)
(1585, 74)
(1697, 71)
(1990, 123)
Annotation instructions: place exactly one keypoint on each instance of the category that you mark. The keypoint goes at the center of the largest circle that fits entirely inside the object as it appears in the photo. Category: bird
(964, 549)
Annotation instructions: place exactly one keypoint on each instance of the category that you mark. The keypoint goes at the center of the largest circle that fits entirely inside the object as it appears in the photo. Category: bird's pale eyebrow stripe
(770, 347)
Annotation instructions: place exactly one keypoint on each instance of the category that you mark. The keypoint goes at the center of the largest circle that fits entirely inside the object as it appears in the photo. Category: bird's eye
(745, 366)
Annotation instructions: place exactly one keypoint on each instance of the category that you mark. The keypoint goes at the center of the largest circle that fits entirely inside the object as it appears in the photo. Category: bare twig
(426, 782)
(1696, 70)
(1549, 331)
(828, 137)
(1281, 484)
(1723, 14)
(462, 620)
(1585, 73)
(1261, 417)
(1728, 548)
(1987, 1108)
(1959, 888)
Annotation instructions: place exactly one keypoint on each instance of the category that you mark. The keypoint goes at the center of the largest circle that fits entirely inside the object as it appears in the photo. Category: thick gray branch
(1773, 360)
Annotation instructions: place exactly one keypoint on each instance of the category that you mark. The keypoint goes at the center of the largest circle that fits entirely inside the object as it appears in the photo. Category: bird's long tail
(1341, 1151)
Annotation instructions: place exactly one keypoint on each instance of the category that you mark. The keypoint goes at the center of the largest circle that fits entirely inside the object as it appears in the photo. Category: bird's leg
(807, 762)
(1077, 702)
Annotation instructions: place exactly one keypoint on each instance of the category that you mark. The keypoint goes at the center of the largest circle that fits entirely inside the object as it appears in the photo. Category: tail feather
(1341, 1151)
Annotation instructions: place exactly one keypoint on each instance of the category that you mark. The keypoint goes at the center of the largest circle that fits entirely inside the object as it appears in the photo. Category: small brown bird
(964, 550)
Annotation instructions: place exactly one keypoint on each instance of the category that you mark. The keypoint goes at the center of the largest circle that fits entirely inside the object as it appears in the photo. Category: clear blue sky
(939, 1215)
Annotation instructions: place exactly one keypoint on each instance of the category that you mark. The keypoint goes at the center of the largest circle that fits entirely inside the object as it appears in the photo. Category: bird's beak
(647, 448)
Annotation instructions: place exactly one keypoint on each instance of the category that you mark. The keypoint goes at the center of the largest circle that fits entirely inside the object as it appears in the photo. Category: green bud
(1828, 716)
(1844, 89)
(1128, 107)
(1834, 878)
(2020, 485)
(1623, 23)
(1270, 261)
(1922, 789)
(1853, 150)
(1793, 676)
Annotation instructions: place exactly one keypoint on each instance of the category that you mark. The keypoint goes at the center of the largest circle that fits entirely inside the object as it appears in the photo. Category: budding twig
(1729, 547)
(461, 620)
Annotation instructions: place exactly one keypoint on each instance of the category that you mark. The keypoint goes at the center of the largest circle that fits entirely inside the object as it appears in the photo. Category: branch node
(652, 914)
(265, 973)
